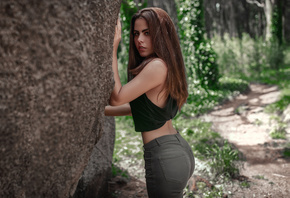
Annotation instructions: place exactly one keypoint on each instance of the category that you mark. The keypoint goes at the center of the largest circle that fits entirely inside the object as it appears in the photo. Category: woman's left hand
(117, 37)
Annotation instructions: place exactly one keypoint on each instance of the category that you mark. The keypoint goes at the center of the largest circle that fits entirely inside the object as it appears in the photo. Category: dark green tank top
(147, 116)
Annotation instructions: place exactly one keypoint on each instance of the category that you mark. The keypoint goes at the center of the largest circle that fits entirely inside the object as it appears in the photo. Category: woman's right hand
(117, 37)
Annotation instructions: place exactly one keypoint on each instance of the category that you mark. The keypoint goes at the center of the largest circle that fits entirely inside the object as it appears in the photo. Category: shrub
(224, 160)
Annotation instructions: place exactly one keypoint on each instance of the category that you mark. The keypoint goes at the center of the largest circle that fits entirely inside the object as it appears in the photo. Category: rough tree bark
(94, 180)
(55, 80)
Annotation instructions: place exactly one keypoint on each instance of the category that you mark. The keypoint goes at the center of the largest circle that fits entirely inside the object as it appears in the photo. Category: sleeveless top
(147, 116)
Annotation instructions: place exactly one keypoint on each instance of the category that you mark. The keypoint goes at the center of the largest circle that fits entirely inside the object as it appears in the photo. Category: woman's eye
(146, 33)
(136, 34)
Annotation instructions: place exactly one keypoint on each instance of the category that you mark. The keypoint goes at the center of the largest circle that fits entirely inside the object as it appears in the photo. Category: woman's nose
(140, 38)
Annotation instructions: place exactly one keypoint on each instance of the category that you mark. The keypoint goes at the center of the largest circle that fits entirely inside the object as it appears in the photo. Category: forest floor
(243, 122)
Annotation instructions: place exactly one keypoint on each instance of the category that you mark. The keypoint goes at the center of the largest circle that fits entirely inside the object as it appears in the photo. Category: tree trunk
(56, 78)
(232, 20)
(268, 9)
(94, 180)
(286, 21)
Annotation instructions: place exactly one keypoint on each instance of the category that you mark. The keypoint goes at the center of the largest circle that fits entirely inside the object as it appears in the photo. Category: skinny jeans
(169, 163)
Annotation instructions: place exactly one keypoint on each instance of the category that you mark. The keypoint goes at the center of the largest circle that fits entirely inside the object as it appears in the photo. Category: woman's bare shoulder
(160, 61)
(157, 65)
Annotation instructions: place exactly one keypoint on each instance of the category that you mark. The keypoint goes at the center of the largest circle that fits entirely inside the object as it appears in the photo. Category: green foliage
(215, 193)
(205, 65)
(191, 21)
(286, 152)
(128, 144)
(199, 57)
(259, 177)
(245, 184)
(200, 100)
(233, 84)
(117, 171)
(279, 106)
(279, 129)
(279, 133)
(205, 192)
(246, 57)
(224, 160)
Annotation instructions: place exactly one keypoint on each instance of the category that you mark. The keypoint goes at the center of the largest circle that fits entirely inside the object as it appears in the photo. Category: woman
(156, 89)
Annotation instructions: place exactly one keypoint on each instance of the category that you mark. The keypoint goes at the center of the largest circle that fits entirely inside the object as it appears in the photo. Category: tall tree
(268, 6)
(286, 20)
(277, 21)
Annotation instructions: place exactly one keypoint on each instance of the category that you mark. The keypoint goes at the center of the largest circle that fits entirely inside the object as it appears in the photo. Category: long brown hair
(166, 47)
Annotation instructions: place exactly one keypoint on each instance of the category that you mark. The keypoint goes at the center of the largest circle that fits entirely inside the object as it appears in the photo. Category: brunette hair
(166, 47)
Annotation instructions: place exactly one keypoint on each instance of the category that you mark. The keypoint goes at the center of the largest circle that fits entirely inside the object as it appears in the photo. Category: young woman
(156, 89)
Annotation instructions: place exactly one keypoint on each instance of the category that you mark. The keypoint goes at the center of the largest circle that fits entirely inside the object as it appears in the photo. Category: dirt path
(244, 123)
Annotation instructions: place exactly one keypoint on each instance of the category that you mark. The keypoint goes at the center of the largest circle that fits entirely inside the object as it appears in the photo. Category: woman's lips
(141, 48)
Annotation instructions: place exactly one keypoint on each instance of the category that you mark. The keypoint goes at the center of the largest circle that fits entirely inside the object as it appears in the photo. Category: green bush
(205, 65)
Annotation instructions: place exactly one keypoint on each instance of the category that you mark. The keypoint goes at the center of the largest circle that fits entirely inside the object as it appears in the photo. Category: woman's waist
(166, 129)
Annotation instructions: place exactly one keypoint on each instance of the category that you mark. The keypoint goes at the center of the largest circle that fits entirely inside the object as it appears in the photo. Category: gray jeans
(169, 163)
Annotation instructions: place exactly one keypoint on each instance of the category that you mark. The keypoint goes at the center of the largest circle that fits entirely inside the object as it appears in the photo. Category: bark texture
(55, 80)
(94, 180)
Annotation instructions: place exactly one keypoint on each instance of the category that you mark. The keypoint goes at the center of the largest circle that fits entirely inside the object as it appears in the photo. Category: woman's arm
(121, 110)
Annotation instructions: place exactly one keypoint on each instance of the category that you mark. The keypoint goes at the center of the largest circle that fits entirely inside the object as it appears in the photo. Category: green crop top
(147, 116)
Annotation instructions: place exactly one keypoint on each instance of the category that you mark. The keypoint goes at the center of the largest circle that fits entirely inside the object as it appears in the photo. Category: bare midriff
(166, 129)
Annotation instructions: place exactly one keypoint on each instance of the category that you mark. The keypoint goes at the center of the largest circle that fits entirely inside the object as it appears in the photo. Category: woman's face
(142, 38)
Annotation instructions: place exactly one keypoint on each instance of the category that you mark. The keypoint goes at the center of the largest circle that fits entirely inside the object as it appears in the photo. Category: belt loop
(157, 142)
(176, 135)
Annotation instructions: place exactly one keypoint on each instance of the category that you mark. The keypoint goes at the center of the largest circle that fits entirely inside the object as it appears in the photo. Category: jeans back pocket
(175, 168)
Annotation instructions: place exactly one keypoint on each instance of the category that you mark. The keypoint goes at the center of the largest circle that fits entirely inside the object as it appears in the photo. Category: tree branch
(261, 5)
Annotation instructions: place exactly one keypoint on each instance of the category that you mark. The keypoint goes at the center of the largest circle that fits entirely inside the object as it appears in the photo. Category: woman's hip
(169, 163)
